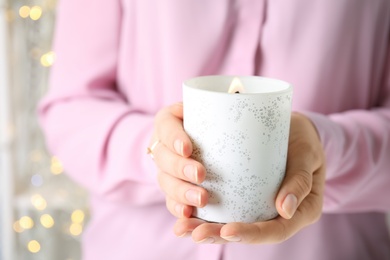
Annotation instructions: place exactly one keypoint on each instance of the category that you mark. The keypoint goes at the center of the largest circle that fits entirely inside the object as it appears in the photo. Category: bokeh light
(75, 229)
(38, 202)
(37, 180)
(26, 222)
(56, 166)
(47, 221)
(78, 216)
(47, 59)
(34, 246)
(35, 12)
(24, 11)
(17, 228)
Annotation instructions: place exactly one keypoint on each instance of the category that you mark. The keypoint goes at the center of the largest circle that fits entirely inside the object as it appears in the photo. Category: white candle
(241, 140)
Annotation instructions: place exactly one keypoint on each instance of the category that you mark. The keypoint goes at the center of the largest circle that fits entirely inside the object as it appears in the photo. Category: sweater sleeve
(357, 149)
(94, 130)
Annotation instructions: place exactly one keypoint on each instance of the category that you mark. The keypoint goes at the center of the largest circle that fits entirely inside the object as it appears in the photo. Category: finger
(208, 233)
(273, 231)
(294, 189)
(177, 166)
(268, 232)
(181, 191)
(169, 130)
(299, 171)
(177, 209)
(202, 231)
(184, 226)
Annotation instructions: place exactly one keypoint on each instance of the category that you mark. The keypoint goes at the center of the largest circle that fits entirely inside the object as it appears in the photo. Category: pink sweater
(120, 61)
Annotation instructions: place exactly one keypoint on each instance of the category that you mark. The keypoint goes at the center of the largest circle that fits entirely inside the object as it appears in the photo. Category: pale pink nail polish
(290, 205)
(179, 146)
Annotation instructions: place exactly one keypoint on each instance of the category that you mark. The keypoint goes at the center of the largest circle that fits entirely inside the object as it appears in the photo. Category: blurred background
(43, 213)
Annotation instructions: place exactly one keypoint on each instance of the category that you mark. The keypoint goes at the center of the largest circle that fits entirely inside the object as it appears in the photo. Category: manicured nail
(208, 240)
(179, 209)
(178, 144)
(191, 172)
(186, 234)
(290, 205)
(193, 197)
(232, 238)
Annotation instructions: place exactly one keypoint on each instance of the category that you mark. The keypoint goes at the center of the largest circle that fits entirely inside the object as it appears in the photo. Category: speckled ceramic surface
(242, 141)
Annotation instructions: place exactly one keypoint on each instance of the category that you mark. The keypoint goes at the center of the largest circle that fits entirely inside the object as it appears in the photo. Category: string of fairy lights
(35, 13)
(46, 220)
(46, 204)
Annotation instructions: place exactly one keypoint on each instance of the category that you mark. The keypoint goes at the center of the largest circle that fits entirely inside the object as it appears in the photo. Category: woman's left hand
(299, 200)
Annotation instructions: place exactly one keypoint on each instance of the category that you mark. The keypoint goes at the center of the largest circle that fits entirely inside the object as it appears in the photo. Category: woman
(119, 69)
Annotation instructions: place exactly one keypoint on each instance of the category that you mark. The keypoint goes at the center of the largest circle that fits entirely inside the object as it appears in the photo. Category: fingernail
(186, 234)
(290, 205)
(208, 240)
(178, 144)
(191, 172)
(193, 197)
(232, 238)
(179, 209)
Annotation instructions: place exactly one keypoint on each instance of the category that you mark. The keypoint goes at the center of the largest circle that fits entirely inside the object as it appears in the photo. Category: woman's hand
(177, 173)
(299, 200)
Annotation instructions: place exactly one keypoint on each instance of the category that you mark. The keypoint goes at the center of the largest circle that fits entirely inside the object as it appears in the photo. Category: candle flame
(236, 86)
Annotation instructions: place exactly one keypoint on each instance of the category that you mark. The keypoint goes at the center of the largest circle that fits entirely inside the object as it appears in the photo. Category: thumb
(305, 156)
(294, 189)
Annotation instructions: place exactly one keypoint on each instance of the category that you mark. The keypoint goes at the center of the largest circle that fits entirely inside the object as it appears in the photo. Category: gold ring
(150, 149)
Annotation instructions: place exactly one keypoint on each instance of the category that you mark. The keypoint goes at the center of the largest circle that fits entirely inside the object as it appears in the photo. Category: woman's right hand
(178, 174)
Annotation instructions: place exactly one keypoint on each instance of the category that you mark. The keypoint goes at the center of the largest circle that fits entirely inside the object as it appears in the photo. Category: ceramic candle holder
(242, 140)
